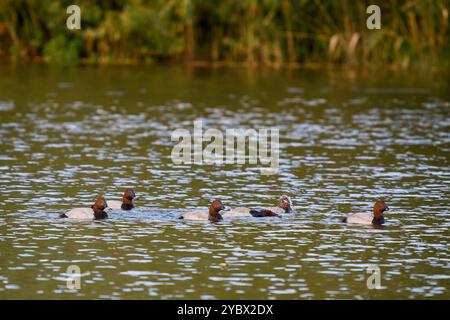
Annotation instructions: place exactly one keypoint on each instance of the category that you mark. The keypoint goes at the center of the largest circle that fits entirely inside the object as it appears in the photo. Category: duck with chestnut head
(284, 206)
(213, 214)
(96, 212)
(127, 201)
(375, 218)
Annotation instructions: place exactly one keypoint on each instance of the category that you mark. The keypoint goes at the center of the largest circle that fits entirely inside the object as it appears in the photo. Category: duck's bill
(108, 209)
(225, 209)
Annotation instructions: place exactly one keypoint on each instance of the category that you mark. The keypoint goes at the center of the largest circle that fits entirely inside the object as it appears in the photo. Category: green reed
(234, 32)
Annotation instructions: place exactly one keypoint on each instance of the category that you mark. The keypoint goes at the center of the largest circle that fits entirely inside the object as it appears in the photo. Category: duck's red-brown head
(215, 207)
(127, 199)
(286, 204)
(129, 194)
(99, 207)
(378, 208)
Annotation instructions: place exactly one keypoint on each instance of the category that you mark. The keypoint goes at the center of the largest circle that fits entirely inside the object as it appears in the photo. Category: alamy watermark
(214, 147)
(374, 280)
(73, 22)
(74, 277)
(374, 20)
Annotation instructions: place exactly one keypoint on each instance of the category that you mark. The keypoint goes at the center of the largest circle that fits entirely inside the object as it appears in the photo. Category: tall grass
(250, 32)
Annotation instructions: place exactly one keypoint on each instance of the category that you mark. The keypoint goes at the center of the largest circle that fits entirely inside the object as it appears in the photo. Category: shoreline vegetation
(206, 33)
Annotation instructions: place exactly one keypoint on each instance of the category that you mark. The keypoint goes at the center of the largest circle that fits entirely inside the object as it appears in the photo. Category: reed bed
(271, 33)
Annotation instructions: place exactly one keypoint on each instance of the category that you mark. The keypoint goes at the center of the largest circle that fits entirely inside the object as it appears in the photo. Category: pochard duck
(213, 214)
(375, 218)
(284, 206)
(95, 212)
(126, 203)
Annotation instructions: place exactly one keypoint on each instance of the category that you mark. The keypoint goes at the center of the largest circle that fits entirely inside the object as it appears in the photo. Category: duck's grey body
(237, 212)
(360, 218)
(195, 215)
(114, 205)
(80, 213)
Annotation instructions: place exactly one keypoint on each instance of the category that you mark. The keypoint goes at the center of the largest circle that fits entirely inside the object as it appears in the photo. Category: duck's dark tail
(63, 215)
(180, 217)
(344, 219)
(257, 213)
(263, 213)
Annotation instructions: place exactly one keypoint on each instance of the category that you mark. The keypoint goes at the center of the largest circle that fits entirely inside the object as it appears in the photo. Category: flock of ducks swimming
(217, 211)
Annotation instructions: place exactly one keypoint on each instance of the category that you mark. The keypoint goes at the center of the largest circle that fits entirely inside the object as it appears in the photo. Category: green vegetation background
(251, 32)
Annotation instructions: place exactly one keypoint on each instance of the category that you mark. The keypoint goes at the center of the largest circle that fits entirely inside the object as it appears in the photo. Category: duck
(126, 203)
(96, 212)
(213, 213)
(284, 206)
(375, 218)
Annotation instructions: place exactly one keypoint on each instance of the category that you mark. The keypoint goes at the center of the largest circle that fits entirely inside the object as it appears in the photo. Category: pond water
(346, 139)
